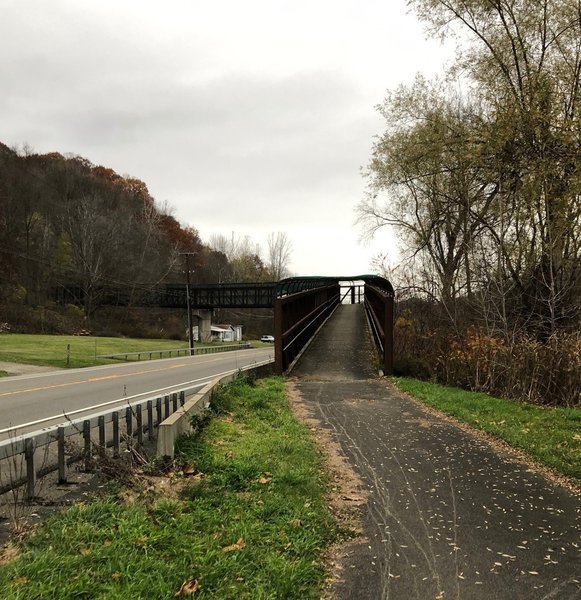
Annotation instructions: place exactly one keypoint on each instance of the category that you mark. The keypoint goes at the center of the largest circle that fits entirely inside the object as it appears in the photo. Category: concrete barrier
(180, 421)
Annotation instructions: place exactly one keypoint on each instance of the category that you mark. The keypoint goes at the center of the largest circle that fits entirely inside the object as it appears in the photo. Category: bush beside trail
(518, 366)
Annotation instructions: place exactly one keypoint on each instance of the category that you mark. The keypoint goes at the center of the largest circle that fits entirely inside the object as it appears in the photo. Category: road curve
(32, 402)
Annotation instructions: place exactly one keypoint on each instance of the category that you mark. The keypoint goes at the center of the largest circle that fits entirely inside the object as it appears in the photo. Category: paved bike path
(447, 515)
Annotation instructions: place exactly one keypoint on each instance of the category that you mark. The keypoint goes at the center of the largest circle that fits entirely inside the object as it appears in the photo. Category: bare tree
(279, 255)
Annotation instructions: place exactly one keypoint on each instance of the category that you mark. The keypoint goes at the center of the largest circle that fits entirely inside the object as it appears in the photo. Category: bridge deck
(342, 349)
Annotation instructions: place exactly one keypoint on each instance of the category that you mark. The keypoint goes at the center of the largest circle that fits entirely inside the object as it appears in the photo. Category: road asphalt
(447, 514)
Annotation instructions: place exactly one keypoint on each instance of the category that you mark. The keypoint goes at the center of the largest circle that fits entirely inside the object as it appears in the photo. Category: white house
(227, 333)
(221, 333)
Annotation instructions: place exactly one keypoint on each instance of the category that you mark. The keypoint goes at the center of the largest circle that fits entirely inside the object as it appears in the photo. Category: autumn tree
(523, 58)
(243, 254)
(428, 178)
(484, 185)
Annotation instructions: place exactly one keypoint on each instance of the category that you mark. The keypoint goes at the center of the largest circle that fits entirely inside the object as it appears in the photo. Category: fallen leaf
(20, 580)
(85, 551)
(189, 470)
(9, 553)
(116, 576)
(237, 546)
(107, 543)
(188, 588)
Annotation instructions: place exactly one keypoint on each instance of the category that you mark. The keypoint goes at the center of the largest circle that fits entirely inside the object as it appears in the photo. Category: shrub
(518, 366)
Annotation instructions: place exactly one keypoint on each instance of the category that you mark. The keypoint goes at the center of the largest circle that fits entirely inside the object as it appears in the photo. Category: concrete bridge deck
(447, 515)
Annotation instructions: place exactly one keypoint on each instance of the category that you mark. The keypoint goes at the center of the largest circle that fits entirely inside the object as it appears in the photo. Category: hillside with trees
(65, 222)
(479, 172)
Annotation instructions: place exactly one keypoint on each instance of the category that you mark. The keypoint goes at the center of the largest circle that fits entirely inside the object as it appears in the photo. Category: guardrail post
(62, 459)
(102, 438)
(150, 419)
(174, 398)
(87, 439)
(158, 410)
(116, 446)
(182, 398)
(29, 455)
(129, 425)
(166, 406)
(139, 424)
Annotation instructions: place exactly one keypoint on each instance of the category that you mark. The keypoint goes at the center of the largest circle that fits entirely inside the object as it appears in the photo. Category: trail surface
(447, 515)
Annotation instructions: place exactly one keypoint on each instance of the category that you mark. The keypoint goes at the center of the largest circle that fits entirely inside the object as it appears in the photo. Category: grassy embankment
(52, 350)
(249, 521)
(550, 436)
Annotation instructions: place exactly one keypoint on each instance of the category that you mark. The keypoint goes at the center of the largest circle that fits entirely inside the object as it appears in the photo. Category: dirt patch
(19, 369)
(346, 494)
(19, 518)
(8, 553)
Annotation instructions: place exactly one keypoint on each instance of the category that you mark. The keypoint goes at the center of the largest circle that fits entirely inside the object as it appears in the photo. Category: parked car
(267, 338)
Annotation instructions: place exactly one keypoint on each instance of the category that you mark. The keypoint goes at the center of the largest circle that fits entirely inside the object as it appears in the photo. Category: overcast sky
(249, 117)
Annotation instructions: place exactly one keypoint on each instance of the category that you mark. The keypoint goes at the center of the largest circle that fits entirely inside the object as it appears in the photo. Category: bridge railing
(297, 316)
(379, 308)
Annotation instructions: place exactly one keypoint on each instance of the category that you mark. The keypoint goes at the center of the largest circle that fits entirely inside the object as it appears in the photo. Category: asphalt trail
(448, 516)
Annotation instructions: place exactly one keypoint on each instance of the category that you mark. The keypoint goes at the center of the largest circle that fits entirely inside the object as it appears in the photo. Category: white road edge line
(193, 383)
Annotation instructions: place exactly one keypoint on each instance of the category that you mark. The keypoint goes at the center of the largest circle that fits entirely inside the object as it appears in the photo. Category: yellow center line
(108, 377)
(90, 380)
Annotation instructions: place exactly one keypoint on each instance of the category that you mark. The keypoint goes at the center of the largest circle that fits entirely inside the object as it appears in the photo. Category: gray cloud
(246, 126)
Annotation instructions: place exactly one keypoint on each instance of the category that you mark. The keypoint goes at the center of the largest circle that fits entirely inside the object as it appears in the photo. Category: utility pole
(189, 302)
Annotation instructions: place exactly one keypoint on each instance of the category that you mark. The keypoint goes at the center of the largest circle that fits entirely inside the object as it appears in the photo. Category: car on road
(267, 338)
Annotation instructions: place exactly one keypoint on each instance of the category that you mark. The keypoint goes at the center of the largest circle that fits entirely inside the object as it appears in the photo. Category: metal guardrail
(115, 428)
(135, 419)
(197, 351)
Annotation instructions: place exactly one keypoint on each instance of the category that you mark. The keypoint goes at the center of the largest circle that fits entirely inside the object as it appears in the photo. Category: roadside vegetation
(477, 172)
(243, 515)
(550, 436)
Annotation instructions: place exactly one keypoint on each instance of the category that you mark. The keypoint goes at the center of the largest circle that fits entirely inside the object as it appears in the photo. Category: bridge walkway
(445, 514)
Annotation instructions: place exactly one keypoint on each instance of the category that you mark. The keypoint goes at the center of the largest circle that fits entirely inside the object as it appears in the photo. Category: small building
(220, 333)
(227, 333)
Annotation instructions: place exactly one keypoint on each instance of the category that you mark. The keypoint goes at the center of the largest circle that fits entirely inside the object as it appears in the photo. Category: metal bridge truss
(208, 296)
(301, 305)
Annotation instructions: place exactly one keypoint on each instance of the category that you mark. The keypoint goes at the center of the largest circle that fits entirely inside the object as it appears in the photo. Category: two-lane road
(32, 402)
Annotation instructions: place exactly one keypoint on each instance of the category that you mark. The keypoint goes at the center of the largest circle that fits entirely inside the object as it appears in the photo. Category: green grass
(262, 491)
(51, 350)
(551, 436)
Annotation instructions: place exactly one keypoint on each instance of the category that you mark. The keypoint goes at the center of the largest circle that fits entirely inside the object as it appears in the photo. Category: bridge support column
(204, 317)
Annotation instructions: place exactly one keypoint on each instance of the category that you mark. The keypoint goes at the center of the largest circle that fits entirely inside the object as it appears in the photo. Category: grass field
(551, 436)
(250, 521)
(52, 350)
